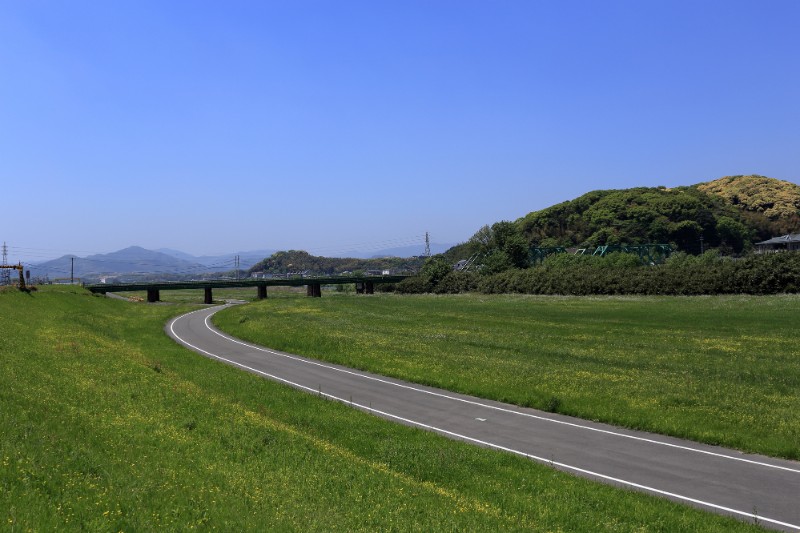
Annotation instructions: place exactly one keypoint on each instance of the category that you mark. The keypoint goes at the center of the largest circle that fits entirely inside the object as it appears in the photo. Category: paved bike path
(750, 487)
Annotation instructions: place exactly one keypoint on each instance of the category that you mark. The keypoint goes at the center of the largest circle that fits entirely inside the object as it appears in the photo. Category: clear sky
(213, 127)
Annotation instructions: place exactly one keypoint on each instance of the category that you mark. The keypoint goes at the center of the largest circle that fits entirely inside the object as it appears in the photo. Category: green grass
(196, 296)
(107, 425)
(722, 370)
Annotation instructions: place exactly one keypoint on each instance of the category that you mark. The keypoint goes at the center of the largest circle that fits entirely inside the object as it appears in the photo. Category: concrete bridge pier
(314, 290)
(209, 298)
(365, 287)
(152, 295)
(262, 291)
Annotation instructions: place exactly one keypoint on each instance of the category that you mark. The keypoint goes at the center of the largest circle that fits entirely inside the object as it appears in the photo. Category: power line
(416, 240)
(83, 264)
(47, 254)
(65, 269)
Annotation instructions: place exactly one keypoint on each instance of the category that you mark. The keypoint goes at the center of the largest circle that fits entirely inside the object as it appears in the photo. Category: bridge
(364, 285)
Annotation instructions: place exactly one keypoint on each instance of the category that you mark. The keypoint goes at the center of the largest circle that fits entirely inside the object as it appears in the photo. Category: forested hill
(729, 213)
(296, 261)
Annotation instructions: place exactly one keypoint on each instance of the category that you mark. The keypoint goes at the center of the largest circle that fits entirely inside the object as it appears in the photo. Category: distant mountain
(222, 262)
(179, 255)
(402, 251)
(127, 261)
(136, 263)
(410, 251)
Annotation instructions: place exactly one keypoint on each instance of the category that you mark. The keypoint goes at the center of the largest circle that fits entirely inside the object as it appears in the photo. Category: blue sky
(220, 126)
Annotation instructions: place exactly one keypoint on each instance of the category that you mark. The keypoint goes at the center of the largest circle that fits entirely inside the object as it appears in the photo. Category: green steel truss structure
(649, 254)
(537, 255)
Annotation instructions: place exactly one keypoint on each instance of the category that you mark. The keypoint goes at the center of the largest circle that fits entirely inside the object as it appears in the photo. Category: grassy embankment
(106, 424)
(722, 370)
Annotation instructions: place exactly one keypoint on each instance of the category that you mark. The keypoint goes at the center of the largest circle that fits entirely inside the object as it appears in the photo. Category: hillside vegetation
(108, 425)
(767, 203)
(728, 213)
(725, 217)
(297, 261)
(642, 215)
(616, 274)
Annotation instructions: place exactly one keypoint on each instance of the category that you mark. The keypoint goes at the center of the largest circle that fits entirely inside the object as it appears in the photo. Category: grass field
(722, 370)
(108, 425)
(195, 296)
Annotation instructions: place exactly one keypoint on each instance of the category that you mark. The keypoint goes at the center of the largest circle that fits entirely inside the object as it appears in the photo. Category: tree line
(294, 261)
(619, 273)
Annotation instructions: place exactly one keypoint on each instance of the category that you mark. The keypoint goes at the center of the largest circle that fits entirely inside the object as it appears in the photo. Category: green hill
(729, 213)
(297, 261)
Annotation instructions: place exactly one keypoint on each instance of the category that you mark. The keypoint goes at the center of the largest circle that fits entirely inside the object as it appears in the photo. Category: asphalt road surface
(750, 487)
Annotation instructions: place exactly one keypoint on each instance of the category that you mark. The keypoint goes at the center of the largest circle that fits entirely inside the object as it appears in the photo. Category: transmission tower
(6, 274)
(427, 245)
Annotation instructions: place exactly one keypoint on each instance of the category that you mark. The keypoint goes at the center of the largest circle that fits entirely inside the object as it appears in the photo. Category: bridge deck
(103, 288)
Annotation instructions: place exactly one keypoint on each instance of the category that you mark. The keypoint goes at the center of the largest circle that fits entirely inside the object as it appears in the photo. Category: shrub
(681, 275)
(413, 285)
(456, 282)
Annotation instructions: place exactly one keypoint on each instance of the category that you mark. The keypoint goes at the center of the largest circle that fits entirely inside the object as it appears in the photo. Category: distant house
(786, 243)
(378, 272)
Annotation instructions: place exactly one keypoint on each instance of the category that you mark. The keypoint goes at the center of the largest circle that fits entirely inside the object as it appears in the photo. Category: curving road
(750, 487)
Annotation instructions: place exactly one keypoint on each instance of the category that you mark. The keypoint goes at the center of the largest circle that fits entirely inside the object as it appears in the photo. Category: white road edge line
(493, 407)
(478, 441)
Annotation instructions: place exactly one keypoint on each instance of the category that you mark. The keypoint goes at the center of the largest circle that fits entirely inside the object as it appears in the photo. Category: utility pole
(702, 247)
(427, 245)
(6, 275)
(72, 271)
